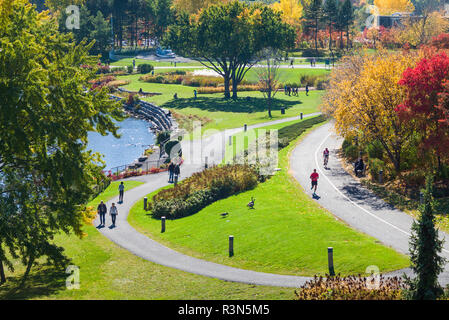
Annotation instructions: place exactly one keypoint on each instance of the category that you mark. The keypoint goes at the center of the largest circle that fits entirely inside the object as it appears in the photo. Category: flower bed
(137, 172)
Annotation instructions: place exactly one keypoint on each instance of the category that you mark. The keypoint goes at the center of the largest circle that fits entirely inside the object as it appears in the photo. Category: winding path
(340, 194)
(130, 239)
(348, 200)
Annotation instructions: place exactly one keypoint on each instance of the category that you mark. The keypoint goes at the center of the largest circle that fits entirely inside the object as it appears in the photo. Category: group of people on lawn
(294, 91)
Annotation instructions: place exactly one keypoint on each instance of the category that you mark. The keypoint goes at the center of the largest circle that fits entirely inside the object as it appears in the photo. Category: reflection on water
(135, 137)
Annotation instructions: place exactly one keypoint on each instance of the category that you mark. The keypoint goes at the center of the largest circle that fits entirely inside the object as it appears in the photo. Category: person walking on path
(314, 177)
(121, 190)
(113, 212)
(177, 172)
(171, 172)
(102, 210)
(307, 90)
(195, 93)
(291, 63)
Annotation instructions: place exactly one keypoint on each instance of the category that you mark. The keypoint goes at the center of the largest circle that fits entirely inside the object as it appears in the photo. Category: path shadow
(42, 282)
(357, 193)
(243, 105)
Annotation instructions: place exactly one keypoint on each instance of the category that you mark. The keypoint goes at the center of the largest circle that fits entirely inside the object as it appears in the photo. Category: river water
(135, 138)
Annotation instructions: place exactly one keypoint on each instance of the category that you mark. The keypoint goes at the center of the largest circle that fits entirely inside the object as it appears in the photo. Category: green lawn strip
(225, 114)
(112, 191)
(290, 75)
(249, 137)
(109, 272)
(287, 233)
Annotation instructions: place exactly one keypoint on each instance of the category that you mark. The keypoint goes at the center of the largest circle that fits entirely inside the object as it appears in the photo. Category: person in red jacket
(314, 177)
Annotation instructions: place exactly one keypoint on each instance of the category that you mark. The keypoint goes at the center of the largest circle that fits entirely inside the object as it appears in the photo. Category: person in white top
(113, 212)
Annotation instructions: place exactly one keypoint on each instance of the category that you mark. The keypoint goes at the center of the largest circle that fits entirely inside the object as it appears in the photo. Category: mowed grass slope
(110, 272)
(225, 114)
(287, 233)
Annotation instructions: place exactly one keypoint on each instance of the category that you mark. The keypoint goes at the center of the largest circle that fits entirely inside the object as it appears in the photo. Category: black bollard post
(145, 203)
(162, 224)
(330, 259)
(231, 246)
(245, 127)
(301, 115)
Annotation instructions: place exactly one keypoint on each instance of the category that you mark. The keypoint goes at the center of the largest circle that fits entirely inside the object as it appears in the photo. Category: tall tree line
(115, 23)
(331, 16)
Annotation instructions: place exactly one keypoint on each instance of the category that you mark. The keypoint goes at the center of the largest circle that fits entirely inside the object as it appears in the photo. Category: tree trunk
(269, 105)
(2, 273)
(347, 37)
(316, 36)
(341, 39)
(227, 93)
(234, 88)
(27, 272)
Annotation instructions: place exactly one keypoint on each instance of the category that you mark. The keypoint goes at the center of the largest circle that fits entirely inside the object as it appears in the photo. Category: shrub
(351, 152)
(346, 143)
(351, 288)
(203, 188)
(162, 136)
(144, 68)
(375, 165)
(170, 145)
(220, 89)
(375, 150)
(130, 69)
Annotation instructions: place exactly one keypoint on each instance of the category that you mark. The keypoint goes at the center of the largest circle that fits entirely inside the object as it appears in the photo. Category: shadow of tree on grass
(243, 105)
(42, 282)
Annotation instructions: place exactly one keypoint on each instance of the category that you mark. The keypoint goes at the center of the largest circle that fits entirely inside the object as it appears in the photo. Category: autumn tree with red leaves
(426, 107)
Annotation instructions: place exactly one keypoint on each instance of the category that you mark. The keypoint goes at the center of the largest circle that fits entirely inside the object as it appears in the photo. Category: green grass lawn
(224, 114)
(287, 233)
(291, 75)
(110, 272)
(249, 137)
(112, 191)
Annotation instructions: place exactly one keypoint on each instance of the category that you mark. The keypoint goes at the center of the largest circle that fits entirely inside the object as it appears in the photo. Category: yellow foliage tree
(362, 96)
(387, 7)
(292, 11)
(420, 31)
(193, 6)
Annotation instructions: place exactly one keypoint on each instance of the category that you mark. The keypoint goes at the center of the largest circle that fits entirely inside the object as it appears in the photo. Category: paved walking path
(347, 199)
(340, 194)
(127, 237)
